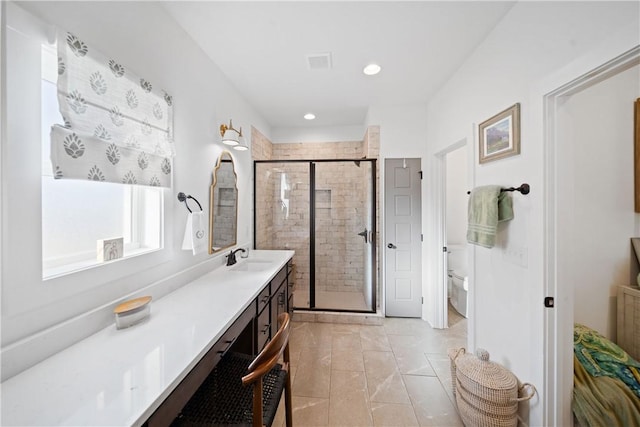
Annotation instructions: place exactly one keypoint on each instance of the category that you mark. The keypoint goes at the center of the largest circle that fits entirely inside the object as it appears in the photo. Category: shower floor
(331, 300)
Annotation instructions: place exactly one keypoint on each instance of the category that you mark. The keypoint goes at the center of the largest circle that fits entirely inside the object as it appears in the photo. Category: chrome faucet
(231, 258)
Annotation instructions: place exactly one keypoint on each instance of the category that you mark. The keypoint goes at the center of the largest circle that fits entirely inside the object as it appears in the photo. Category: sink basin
(251, 265)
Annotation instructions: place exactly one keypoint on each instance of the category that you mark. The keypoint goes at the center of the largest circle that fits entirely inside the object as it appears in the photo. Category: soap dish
(131, 312)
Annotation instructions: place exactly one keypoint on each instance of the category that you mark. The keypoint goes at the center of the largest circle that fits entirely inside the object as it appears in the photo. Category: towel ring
(183, 198)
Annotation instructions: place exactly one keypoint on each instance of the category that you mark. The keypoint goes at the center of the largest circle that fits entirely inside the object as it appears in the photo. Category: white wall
(403, 130)
(534, 39)
(456, 193)
(599, 218)
(41, 317)
(402, 135)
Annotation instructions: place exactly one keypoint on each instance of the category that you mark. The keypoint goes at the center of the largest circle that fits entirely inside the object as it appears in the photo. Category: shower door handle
(364, 234)
(392, 246)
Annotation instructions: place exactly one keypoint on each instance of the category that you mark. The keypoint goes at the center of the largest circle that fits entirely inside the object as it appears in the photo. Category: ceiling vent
(319, 61)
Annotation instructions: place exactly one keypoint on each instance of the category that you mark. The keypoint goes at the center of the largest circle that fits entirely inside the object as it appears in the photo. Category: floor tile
(387, 389)
(412, 362)
(346, 341)
(384, 381)
(380, 363)
(402, 326)
(313, 373)
(393, 415)
(347, 359)
(430, 402)
(393, 374)
(442, 367)
(349, 401)
(318, 335)
(310, 411)
(374, 338)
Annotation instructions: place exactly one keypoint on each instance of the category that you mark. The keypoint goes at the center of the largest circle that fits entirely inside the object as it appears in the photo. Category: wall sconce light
(233, 137)
(228, 135)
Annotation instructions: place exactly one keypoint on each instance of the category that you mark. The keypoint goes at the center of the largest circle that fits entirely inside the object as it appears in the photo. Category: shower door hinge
(420, 172)
(549, 302)
(421, 300)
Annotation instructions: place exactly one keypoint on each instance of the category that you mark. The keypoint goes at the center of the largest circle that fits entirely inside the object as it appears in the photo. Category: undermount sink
(251, 265)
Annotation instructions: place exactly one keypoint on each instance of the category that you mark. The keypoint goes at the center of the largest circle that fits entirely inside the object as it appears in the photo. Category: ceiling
(262, 48)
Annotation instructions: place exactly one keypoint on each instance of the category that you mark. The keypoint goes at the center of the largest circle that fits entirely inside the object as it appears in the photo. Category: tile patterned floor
(396, 374)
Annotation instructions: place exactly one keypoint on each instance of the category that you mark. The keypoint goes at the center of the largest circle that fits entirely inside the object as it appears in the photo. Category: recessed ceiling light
(309, 116)
(372, 69)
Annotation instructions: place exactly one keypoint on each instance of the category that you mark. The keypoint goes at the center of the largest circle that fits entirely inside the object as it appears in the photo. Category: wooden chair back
(264, 362)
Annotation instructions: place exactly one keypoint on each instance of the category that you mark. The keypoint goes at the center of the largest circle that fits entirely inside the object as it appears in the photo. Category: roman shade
(118, 127)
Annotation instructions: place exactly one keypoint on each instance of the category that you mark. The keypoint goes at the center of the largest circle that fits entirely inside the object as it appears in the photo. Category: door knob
(391, 246)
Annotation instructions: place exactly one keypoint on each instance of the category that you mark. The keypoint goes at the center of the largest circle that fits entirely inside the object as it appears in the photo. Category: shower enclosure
(325, 211)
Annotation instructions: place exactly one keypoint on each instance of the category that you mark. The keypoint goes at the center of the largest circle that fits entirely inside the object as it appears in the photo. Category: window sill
(88, 264)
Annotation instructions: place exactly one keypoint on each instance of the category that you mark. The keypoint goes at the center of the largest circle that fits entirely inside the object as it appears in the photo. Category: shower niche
(319, 209)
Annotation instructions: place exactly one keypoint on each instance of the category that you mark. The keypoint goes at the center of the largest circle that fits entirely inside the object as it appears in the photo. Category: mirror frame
(212, 189)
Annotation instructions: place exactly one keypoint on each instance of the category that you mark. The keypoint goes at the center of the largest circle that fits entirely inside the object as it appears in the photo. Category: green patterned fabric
(603, 401)
(601, 357)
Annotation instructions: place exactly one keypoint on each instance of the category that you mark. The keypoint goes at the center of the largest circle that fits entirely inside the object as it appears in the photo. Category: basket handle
(532, 392)
(460, 351)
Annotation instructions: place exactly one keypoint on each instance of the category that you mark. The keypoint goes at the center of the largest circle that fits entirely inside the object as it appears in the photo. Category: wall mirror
(223, 205)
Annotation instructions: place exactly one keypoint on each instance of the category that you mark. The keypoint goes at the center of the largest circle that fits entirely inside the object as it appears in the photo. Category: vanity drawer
(280, 277)
(263, 298)
(278, 305)
(172, 405)
(263, 329)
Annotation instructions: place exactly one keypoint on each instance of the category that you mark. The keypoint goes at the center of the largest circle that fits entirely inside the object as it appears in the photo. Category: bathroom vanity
(144, 374)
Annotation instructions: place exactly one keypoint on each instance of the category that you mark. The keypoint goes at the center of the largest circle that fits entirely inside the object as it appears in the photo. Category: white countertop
(120, 377)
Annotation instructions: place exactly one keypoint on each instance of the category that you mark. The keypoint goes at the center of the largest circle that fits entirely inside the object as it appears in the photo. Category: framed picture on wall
(500, 135)
(636, 150)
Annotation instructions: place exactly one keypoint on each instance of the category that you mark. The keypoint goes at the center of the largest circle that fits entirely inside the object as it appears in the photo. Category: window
(76, 214)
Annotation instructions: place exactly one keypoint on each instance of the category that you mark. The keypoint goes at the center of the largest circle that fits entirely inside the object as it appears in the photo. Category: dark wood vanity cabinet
(278, 302)
(248, 334)
(239, 336)
(291, 270)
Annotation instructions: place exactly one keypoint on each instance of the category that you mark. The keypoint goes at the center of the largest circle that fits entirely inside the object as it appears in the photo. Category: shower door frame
(312, 228)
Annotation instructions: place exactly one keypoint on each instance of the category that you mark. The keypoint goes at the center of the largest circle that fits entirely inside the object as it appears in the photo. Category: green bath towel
(487, 206)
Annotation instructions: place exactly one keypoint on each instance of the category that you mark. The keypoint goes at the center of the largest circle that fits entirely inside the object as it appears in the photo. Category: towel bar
(524, 189)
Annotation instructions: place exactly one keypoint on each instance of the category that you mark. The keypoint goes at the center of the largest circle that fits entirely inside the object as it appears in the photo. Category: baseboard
(338, 317)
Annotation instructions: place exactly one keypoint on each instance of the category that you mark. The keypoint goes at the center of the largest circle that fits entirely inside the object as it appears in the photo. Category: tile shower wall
(261, 150)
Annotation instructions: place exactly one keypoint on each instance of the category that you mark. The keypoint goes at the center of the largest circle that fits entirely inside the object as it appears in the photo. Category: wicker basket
(453, 354)
(487, 394)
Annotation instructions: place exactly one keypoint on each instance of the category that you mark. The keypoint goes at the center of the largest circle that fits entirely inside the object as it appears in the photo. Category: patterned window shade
(118, 127)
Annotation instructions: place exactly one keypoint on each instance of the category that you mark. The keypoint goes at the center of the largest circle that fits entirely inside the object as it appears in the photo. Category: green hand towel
(487, 206)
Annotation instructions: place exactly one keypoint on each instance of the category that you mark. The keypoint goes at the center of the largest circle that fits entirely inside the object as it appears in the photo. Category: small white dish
(132, 312)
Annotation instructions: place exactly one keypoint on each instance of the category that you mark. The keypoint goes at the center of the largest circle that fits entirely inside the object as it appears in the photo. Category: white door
(403, 237)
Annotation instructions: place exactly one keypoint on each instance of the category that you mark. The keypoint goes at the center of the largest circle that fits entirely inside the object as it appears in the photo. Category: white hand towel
(195, 236)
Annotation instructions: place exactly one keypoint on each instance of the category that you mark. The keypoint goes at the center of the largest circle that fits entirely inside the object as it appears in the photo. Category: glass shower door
(343, 249)
(282, 217)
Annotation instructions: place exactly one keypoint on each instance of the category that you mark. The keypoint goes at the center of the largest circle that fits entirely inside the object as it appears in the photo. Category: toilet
(458, 282)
